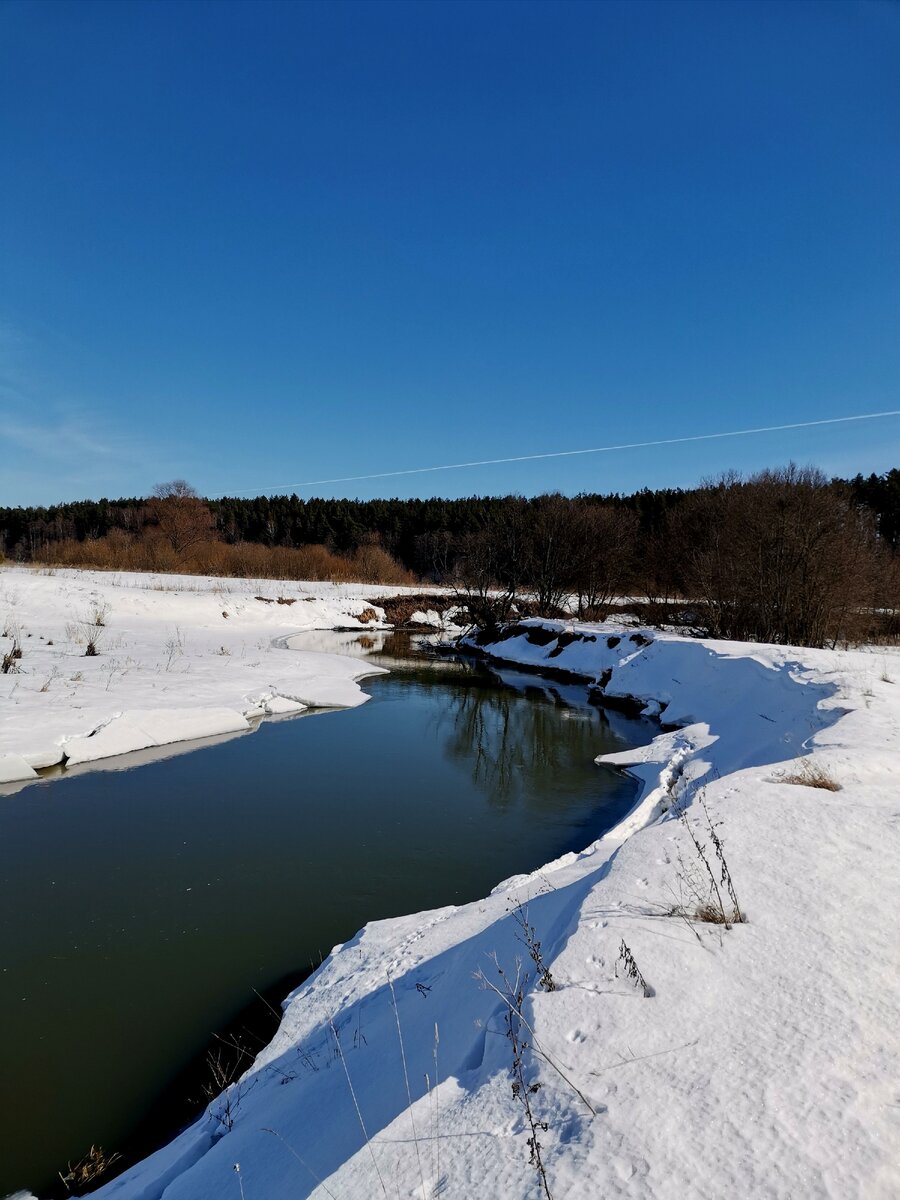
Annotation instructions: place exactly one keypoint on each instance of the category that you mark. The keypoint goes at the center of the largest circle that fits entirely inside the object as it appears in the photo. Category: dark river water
(142, 907)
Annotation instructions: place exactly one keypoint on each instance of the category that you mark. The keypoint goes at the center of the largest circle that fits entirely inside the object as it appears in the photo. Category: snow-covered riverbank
(177, 658)
(763, 1063)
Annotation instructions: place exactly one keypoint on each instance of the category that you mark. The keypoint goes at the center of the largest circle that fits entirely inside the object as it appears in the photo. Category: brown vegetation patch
(398, 610)
(813, 775)
(149, 551)
(367, 616)
(712, 915)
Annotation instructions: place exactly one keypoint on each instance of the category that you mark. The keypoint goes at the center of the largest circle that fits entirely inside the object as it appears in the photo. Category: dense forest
(403, 527)
(785, 555)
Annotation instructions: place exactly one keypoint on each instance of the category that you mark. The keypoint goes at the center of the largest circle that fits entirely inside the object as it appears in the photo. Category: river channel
(143, 907)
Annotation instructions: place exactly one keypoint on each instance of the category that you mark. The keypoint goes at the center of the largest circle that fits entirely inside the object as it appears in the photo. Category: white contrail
(492, 462)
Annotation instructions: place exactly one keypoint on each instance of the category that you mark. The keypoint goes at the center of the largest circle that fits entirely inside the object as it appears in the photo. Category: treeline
(403, 527)
(785, 556)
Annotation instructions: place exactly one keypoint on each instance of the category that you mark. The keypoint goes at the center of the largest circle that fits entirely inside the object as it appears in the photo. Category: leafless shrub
(785, 556)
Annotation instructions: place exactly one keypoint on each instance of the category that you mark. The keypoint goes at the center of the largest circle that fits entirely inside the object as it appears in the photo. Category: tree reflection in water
(513, 743)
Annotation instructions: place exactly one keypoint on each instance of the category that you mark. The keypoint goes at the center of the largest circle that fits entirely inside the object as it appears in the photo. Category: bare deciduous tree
(491, 565)
(782, 557)
(605, 543)
(183, 519)
(552, 549)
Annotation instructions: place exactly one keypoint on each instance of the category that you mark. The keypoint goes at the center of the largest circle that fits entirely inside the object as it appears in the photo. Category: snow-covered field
(178, 658)
(765, 1060)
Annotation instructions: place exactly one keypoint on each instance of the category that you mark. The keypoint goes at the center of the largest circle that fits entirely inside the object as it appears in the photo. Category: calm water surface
(140, 907)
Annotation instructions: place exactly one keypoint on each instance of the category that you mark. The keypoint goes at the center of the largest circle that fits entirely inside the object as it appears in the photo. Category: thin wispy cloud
(53, 438)
(51, 429)
(58, 439)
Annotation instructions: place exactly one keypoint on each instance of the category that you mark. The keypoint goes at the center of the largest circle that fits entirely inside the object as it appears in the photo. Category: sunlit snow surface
(178, 658)
(766, 1062)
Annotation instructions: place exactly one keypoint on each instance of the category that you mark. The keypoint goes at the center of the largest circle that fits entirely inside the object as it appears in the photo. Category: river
(143, 906)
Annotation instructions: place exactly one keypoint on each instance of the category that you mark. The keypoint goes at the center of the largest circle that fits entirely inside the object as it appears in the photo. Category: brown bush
(373, 564)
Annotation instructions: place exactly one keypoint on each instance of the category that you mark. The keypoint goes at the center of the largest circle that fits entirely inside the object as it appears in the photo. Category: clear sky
(258, 244)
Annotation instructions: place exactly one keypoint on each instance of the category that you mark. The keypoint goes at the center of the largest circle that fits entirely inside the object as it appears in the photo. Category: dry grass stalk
(811, 774)
(87, 1169)
(707, 886)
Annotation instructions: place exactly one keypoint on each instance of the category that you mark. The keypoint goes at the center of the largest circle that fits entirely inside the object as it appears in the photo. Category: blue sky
(258, 244)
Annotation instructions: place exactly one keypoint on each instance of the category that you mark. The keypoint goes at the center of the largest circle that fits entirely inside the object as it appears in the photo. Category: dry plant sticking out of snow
(88, 629)
(810, 774)
(87, 1169)
(631, 970)
(706, 879)
(513, 991)
(9, 665)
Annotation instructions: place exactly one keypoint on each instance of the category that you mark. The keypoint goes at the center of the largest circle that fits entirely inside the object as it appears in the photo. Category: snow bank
(178, 658)
(764, 1062)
